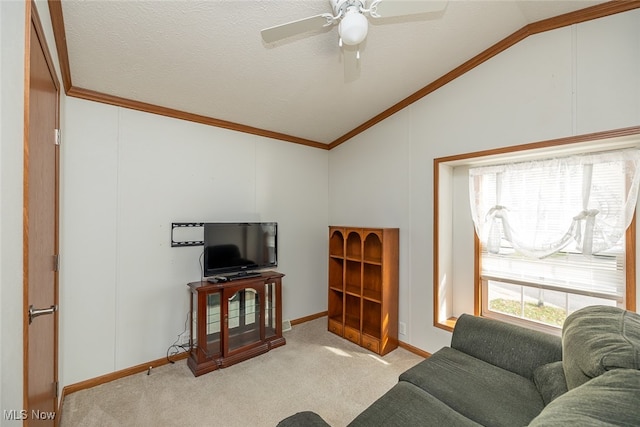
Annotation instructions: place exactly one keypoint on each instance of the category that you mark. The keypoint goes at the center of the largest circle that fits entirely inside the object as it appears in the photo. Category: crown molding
(104, 98)
(583, 15)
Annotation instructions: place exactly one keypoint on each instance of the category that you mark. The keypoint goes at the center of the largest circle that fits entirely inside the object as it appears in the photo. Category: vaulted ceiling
(206, 61)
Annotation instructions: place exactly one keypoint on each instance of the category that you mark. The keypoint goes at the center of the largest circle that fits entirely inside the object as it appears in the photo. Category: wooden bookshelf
(363, 286)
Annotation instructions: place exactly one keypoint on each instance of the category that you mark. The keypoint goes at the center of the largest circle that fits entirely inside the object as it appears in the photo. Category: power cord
(176, 348)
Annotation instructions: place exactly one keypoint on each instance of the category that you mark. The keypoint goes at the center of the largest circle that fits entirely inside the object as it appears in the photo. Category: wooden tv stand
(235, 320)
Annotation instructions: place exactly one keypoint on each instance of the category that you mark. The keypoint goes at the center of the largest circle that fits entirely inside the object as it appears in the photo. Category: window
(552, 233)
(457, 251)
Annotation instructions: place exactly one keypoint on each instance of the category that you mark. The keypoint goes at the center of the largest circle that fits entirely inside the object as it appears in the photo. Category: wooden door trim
(37, 23)
(32, 21)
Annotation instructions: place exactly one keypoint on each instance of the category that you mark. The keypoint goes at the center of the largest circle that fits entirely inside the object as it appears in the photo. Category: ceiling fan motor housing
(353, 26)
(340, 6)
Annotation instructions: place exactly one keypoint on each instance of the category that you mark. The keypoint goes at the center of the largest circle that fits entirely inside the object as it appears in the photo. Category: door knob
(35, 312)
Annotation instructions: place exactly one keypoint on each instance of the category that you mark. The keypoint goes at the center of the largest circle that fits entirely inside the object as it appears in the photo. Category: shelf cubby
(336, 306)
(354, 245)
(372, 318)
(372, 282)
(336, 244)
(336, 273)
(352, 312)
(353, 277)
(373, 248)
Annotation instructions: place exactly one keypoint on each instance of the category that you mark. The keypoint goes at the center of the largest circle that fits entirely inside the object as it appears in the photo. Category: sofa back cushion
(597, 339)
(609, 400)
(511, 347)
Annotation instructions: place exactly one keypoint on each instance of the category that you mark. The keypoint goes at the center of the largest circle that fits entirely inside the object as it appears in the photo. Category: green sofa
(498, 374)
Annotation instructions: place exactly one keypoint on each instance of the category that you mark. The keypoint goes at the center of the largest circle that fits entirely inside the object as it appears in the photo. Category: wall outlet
(402, 328)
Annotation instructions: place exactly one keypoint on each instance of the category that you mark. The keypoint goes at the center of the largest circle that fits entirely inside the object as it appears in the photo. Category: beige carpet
(316, 370)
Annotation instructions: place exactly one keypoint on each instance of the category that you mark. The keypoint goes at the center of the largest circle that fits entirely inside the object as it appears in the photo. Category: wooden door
(41, 175)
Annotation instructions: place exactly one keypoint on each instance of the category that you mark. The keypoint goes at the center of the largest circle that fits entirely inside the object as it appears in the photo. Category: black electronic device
(239, 247)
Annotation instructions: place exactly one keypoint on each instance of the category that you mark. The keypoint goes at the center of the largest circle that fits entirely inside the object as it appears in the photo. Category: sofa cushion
(549, 379)
(597, 339)
(478, 390)
(511, 347)
(407, 405)
(612, 399)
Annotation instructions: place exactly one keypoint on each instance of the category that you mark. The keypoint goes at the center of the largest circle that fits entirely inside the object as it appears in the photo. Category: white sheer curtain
(542, 206)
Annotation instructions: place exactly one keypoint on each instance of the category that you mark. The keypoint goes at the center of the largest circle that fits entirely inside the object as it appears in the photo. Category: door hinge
(56, 263)
(56, 387)
(57, 137)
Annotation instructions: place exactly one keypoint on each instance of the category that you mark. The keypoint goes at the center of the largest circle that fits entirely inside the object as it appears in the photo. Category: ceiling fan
(351, 17)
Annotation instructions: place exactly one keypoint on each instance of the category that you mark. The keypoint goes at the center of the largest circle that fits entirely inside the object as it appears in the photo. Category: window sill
(447, 324)
(450, 323)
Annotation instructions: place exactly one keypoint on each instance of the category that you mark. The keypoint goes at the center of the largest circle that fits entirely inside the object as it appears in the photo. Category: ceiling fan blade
(390, 8)
(292, 28)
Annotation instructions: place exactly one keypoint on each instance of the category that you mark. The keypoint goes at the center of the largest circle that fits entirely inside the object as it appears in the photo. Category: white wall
(127, 176)
(571, 81)
(12, 17)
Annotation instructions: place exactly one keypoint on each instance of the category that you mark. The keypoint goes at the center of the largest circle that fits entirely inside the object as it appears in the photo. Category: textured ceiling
(208, 58)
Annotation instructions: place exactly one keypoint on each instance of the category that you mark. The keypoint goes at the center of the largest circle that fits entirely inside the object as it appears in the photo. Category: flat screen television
(239, 247)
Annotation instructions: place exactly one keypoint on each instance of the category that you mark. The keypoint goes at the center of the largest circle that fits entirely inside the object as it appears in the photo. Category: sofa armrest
(511, 347)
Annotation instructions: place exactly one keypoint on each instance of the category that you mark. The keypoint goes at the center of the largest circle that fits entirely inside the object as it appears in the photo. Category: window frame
(582, 143)
(481, 285)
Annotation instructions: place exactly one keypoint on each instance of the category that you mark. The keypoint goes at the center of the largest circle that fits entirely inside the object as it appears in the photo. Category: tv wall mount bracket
(184, 243)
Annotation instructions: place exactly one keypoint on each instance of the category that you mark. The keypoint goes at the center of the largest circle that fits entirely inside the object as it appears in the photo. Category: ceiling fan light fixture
(353, 28)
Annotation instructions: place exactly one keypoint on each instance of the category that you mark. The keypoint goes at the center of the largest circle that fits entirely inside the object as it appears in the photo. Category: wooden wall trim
(92, 382)
(436, 241)
(82, 385)
(57, 22)
(630, 264)
(587, 137)
(583, 15)
(587, 14)
(103, 379)
(477, 268)
(37, 25)
(414, 350)
(29, 9)
(309, 318)
(177, 114)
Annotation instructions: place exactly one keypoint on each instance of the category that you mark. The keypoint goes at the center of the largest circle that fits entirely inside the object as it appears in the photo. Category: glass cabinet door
(211, 329)
(243, 319)
(270, 309)
(213, 323)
